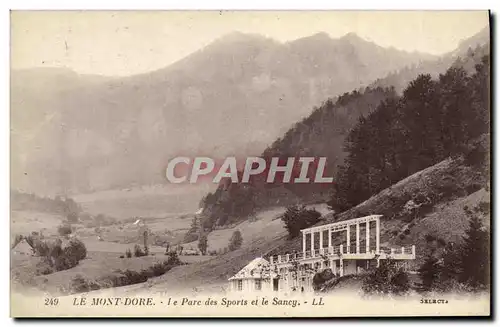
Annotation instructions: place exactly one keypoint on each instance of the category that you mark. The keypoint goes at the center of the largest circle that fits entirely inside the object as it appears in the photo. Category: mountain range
(75, 133)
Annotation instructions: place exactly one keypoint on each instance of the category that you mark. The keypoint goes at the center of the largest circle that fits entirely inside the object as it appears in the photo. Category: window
(258, 284)
(240, 285)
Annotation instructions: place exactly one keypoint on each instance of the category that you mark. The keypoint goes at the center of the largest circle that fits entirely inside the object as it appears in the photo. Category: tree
(72, 217)
(298, 217)
(203, 244)
(235, 241)
(173, 259)
(18, 238)
(138, 251)
(145, 239)
(475, 255)
(429, 273)
(387, 279)
(70, 209)
(194, 231)
(321, 277)
(76, 249)
(449, 269)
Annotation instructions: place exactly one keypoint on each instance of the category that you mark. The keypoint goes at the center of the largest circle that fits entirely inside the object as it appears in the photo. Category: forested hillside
(319, 135)
(372, 139)
(432, 120)
(467, 55)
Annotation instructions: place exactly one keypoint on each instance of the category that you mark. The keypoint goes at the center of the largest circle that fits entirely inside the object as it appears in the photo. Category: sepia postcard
(250, 164)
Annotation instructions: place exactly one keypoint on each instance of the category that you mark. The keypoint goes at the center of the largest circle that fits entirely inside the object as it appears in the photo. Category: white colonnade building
(356, 250)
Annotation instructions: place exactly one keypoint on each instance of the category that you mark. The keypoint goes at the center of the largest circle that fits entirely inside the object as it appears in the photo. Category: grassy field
(268, 224)
(98, 264)
(149, 201)
(152, 203)
(24, 222)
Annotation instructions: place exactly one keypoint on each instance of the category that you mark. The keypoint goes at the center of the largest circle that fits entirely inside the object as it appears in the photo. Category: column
(321, 240)
(287, 282)
(304, 243)
(377, 235)
(341, 268)
(368, 236)
(334, 266)
(329, 238)
(312, 244)
(348, 239)
(357, 238)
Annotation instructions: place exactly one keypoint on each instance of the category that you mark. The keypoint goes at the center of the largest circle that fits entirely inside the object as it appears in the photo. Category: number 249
(51, 301)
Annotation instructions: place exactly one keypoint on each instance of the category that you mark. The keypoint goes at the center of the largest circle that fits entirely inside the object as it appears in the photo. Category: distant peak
(318, 37)
(321, 35)
(238, 36)
(351, 36)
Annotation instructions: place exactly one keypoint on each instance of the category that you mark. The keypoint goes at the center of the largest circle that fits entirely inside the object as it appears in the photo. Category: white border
(192, 5)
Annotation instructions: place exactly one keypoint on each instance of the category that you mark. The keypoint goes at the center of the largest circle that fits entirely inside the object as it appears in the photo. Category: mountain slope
(232, 97)
(470, 50)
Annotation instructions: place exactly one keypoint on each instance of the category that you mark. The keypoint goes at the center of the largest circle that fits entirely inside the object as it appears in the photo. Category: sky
(121, 43)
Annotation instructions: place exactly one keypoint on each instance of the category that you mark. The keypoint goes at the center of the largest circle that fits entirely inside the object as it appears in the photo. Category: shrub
(77, 249)
(402, 236)
(407, 231)
(138, 251)
(79, 284)
(387, 279)
(64, 262)
(133, 277)
(44, 267)
(41, 248)
(483, 207)
(429, 273)
(173, 259)
(128, 253)
(64, 230)
(441, 242)
(430, 238)
(122, 257)
(236, 241)
(321, 277)
(299, 217)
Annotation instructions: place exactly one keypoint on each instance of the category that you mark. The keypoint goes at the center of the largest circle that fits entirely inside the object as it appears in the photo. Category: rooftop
(341, 224)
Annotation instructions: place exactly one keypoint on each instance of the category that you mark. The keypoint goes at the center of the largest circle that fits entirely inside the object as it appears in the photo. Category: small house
(23, 248)
(254, 277)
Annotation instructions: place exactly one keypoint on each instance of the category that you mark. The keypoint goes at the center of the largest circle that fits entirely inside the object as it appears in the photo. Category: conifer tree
(429, 273)
(475, 256)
